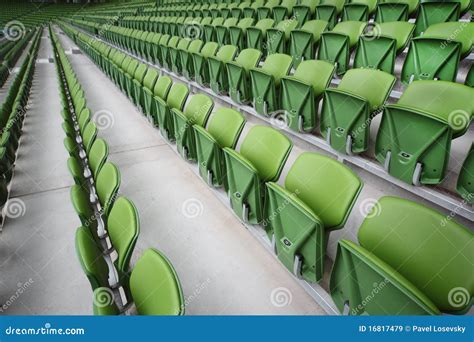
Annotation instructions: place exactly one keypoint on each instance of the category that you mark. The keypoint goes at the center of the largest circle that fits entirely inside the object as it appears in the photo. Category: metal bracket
(297, 266)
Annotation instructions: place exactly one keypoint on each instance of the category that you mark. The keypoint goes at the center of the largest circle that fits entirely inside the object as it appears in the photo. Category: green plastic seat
(302, 92)
(217, 70)
(91, 259)
(154, 287)
(305, 40)
(160, 92)
(107, 185)
(157, 49)
(250, 11)
(347, 110)
(127, 78)
(257, 34)
(379, 47)
(149, 82)
(177, 95)
(265, 82)
(137, 84)
(300, 232)
(401, 247)
(358, 10)
(261, 158)
(284, 10)
(329, 10)
(73, 164)
(223, 130)
(395, 10)
(435, 12)
(238, 33)
(437, 53)
(465, 184)
(266, 11)
(222, 31)
(278, 37)
(470, 77)
(210, 30)
(238, 73)
(196, 112)
(305, 10)
(201, 67)
(186, 60)
(336, 45)
(88, 138)
(414, 138)
(97, 156)
(165, 51)
(123, 228)
(175, 55)
(80, 199)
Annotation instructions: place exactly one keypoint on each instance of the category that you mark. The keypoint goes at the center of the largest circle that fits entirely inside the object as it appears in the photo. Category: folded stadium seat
(278, 37)
(395, 10)
(185, 56)
(126, 75)
(146, 87)
(347, 110)
(465, 185)
(305, 10)
(238, 73)
(436, 54)
(379, 47)
(183, 28)
(165, 52)
(257, 34)
(414, 138)
(470, 77)
(302, 92)
(300, 232)
(157, 49)
(176, 98)
(167, 23)
(251, 11)
(238, 33)
(305, 40)
(265, 82)
(91, 258)
(88, 138)
(210, 29)
(154, 288)
(401, 263)
(174, 54)
(284, 11)
(207, 12)
(223, 130)
(196, 112)
(218, 79)
(197, 30)
(433, 12)
(329, 10)
(266, 11)
(222, 9)
(96, 159)
(222, 31)
(137, 83)
(143, 42)
(201, 67)
(261, 158)
(336, 45)
(237, 11)
(358, 10)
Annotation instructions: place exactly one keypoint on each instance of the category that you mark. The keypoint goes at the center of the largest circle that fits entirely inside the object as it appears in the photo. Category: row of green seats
(272, 89)
(298, 222)
(109, 222)
(12, 114)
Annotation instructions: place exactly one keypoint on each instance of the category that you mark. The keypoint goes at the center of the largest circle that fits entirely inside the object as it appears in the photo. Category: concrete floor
(222, 267)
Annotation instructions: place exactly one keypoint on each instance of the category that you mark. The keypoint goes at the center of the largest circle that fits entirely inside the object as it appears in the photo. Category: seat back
(264, 24)
(123, 227)
(415, 240)
(195, 46)
(90, 133)
(198, 109)
(162, 86)
(150, 78)
(226, 53)
(337, 187)
(267, 149)
(225, 126)
(315, 27)
(97, 156)
(209, 49)
(107, 185)
(316, 73)
(155, 286)
(177, 96)
(249, 58)
(352, 29)
(90, 258)
(278, 65)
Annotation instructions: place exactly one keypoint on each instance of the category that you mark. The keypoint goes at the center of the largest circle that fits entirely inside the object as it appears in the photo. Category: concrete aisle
(38, 263)
(222, 268)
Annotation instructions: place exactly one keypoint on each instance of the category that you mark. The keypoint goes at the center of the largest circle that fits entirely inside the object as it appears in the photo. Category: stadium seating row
(12, 114)
(345, 113)
(110, 222)
(300, 232)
